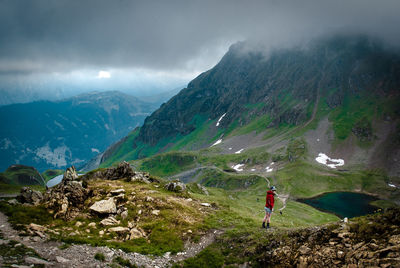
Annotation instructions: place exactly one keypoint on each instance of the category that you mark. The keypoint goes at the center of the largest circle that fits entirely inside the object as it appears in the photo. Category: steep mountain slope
(48, 134)
(340, 95)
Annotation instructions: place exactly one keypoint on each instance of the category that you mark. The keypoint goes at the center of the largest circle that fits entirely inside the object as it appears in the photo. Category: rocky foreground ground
(120, 206)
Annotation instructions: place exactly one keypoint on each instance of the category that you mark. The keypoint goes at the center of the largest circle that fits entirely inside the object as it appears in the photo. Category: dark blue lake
(343, 204)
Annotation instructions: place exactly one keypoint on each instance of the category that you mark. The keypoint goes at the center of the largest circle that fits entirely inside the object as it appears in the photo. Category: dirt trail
(83, 255)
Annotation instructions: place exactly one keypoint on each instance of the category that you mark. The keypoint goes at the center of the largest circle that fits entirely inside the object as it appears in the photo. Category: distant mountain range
(47, 134)
(339, 97)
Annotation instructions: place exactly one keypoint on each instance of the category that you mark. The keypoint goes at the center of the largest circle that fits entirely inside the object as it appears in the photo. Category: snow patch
(238, 152)
(238, 167)
(217, 142)
(219, 120)
(269, 169)
(324, 159)
(230, 148)
(95, 150)
(253, 169)
(392, 185)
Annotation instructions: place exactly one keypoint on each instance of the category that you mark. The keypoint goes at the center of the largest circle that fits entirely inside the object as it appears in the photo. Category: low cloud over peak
(174, 37)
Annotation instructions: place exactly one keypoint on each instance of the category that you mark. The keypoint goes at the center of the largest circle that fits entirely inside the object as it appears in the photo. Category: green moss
(99, 256)
(124, 262)
(209, 257)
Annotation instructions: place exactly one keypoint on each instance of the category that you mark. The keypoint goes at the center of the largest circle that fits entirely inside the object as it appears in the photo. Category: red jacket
(269, 202)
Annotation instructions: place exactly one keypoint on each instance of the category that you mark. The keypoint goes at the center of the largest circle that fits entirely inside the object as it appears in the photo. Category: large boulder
(104, 206)
(175, 186)
(123, 170)
(27, 195)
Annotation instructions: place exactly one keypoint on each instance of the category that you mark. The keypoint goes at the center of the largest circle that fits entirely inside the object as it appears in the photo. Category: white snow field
(329, 162)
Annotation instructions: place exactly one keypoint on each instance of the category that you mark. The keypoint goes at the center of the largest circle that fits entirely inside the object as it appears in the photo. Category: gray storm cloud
(63, 35)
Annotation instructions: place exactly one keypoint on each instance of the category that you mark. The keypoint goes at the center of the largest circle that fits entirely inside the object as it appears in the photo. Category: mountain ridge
(67, 132)
(352, 81)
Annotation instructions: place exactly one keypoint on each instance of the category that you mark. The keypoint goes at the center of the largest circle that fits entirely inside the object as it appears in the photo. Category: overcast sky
(165, 43)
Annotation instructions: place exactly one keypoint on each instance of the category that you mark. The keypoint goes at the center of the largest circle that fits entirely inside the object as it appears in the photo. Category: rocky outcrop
(66, 199)
(30, 196)
(123, 170)
(175, 186)
(372, 241)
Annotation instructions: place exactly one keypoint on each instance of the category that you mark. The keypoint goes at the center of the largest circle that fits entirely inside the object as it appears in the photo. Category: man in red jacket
(269, 205)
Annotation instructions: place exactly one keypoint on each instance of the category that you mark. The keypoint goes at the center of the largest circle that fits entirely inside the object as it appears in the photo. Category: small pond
(343, 204)
(56, 180)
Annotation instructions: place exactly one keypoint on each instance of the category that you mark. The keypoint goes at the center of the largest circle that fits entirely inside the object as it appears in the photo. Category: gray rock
(124, 214)
(67, 198)
(104, 206)
(109, 221)
(119, 230)
(33, 260)
(117, 192)
(304, 250)
(175, 186)
(203, 189)
(60, 259)
(30, 196)
(70, 174)
(13, 202)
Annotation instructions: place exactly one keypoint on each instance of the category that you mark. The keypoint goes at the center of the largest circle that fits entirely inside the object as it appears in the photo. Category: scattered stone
(78, 224)
(13, 202)
(92, 225)
(340, 254)
(304, 250)
(104, 206)
(124, 215)
(119, 230)
(136, 233)
(117, 192)
(101, 232)
(394, 240)
(33, 260)
(155, 212)
(149, 199)
(109, 221)
(60, 259)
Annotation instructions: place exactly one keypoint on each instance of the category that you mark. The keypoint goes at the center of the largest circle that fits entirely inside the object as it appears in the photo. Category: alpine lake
(343, 204)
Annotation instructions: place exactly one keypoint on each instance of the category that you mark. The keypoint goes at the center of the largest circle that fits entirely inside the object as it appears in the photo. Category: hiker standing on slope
(269, 205)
